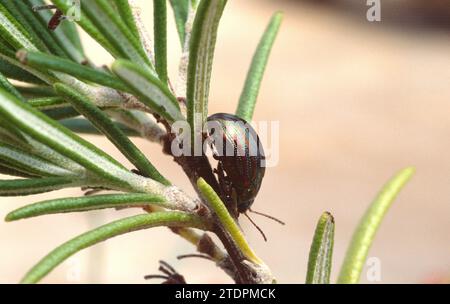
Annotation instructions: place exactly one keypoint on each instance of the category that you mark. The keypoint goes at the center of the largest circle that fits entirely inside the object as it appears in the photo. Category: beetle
(240, 155)
(241, 163)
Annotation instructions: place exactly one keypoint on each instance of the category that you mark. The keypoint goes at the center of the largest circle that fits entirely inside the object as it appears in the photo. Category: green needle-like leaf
(21, 187)
(35, 91)
(149, 89)
(365, 232)
(249, 94)
(160, 34)
(12, 172)
(124, 9)
(62, 42)
(10, 131)
(22, 161)
(321, 252)
(62, 140)
(41, 150)
(9, 56)
(71, 32)
(86, 23)
(134, 223)
(83, 105)
(84, 126)
(38, 31)
(13, 32)
(47, 103)
(22, 15)
(51, 62)
(62, 113)
(201, 54)
(14, 72)
(104, 16)
(86, 203)
(181, 10)
(6, 85)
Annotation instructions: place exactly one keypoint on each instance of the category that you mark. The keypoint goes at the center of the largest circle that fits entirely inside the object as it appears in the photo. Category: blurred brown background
(356, 102)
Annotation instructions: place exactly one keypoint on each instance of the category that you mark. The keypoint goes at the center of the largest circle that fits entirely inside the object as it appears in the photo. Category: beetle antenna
(166, 268)
(194, 255)
(268, 216)
(256, 226)
(155, 276)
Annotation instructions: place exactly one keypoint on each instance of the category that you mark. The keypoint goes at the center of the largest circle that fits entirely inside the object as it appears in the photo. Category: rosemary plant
(66, 94)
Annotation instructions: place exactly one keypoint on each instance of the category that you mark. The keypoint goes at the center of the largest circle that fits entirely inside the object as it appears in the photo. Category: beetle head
(243, 206)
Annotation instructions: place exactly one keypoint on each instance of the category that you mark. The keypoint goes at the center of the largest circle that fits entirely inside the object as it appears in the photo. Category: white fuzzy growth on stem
(174, 195)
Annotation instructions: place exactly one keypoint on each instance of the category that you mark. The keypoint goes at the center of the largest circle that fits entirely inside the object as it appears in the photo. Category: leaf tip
(13, 216)
(117, 64)
(405, 175)
(409, 171)
(10, 217)
(327, 216)
(279, 15)
(201, 182)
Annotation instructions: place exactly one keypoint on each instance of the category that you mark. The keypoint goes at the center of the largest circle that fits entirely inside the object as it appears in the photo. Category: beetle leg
(170, 275)
(226, 187)
(223, 180)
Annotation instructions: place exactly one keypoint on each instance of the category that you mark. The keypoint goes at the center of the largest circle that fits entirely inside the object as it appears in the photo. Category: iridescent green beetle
(241, 159)
(241, 162)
